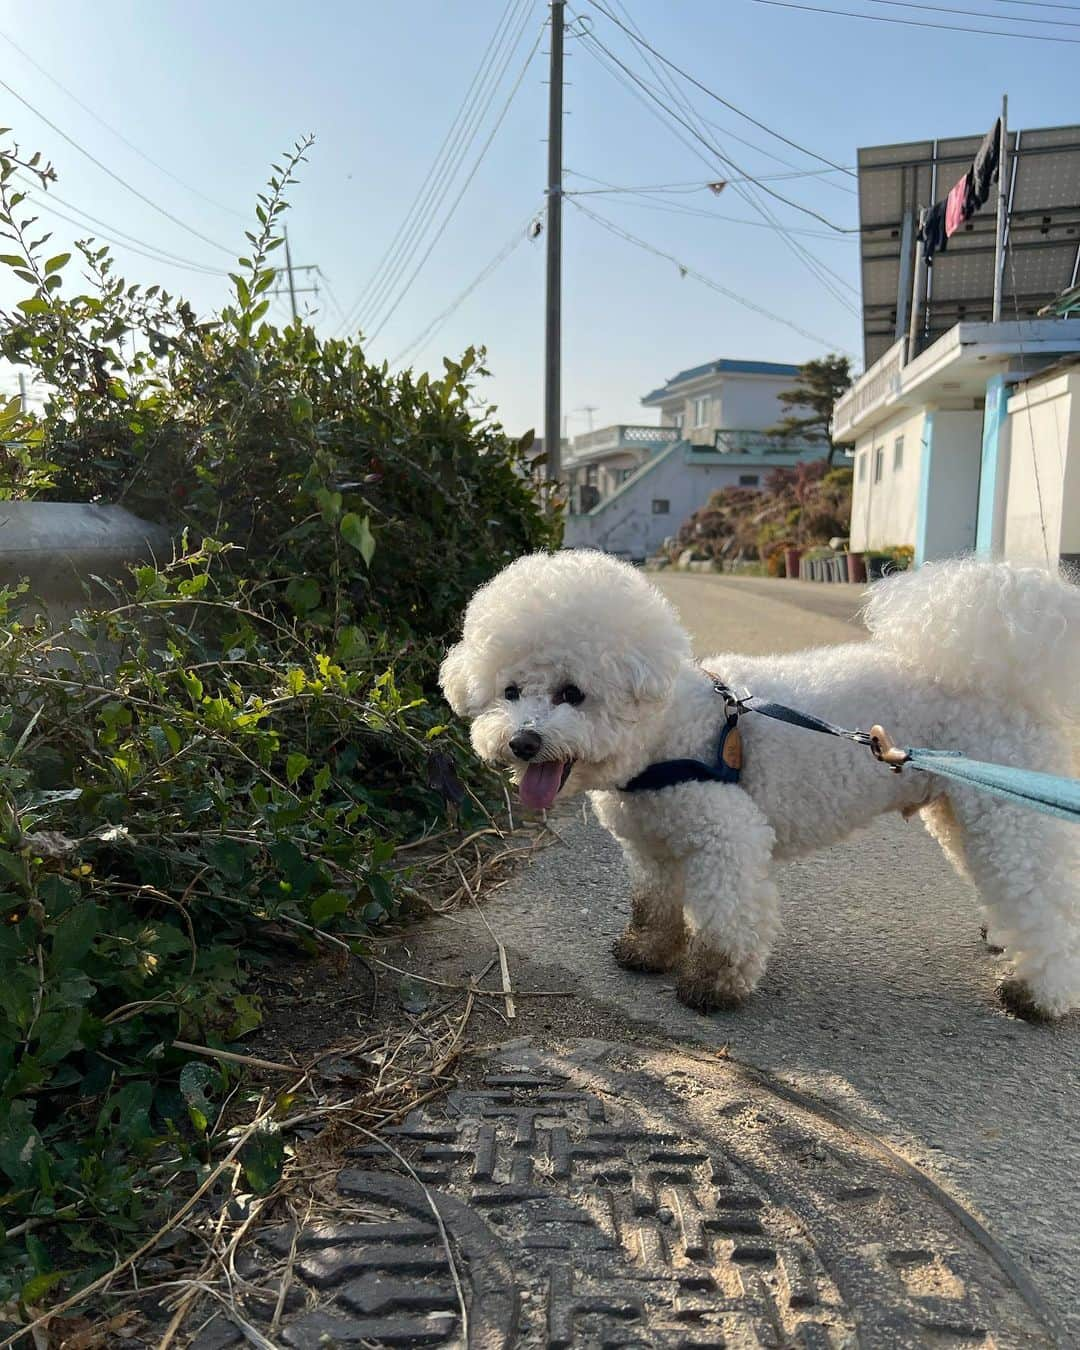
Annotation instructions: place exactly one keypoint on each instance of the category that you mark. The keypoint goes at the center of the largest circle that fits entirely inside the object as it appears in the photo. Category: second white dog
(576, 673)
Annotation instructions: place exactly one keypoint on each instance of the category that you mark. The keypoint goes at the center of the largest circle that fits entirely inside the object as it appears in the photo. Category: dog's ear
(454, 678)
(651, 674)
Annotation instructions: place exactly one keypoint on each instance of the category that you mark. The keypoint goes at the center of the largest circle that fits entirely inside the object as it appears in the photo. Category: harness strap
(671, 772)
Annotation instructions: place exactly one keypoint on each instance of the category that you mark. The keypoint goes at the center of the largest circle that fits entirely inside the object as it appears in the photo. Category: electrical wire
(190, 187)
(125, 241)
(437, 170)
(517, 238)
(689, 187)
(117, 236)
(686, 270)
(762, 126)
(449, 215)
(817, 268)
(674, 209)
(806, 210)
(913, 23)
(977, 13)
(115, 176)
(378, 314)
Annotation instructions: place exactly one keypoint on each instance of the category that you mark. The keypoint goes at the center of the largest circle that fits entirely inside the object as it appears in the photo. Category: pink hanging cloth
(956, 211)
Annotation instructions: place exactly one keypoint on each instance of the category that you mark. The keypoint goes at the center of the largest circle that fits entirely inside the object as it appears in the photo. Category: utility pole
(292, 287)
(289, 269)
(553, 307)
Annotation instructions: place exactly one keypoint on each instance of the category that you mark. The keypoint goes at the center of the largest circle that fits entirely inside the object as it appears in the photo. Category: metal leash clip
(883, 747)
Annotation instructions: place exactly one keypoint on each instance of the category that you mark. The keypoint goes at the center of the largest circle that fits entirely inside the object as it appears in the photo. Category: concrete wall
(1044, 461)
(885, 514)
(60, 546)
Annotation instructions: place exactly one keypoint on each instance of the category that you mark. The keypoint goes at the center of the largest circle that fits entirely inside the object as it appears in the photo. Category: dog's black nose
(526, 744)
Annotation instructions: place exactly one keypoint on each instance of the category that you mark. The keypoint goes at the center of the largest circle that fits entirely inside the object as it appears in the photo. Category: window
(749, 479)
(898, 454)
(701, 411)
(862, 466)
(624, 474)
(879, 463)
(591, 475)
(677, 421)
(661, 506)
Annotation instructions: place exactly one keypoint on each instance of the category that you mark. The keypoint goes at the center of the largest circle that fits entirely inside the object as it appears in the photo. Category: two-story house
(633, 486)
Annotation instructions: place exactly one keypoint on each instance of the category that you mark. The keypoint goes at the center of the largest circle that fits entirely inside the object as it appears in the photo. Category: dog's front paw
(649, 949)
(711, 980)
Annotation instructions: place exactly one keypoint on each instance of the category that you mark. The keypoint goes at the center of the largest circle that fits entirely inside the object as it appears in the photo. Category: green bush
(225, 755)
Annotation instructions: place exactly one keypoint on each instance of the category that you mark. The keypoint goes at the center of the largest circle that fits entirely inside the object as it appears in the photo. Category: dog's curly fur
(978, 657)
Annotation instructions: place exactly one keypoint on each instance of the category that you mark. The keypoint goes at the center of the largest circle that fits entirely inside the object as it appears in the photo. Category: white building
(723, 395)
(973, 446)
(631, 487)
(966, 430)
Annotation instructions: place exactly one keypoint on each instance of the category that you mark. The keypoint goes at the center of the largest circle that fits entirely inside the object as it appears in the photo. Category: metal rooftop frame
(1043, 233)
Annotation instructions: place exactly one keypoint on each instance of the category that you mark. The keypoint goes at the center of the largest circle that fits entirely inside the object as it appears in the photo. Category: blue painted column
(925, 471)
(993, 473)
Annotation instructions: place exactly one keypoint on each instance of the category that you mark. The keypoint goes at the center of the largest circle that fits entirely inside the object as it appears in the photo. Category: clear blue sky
(215, 91)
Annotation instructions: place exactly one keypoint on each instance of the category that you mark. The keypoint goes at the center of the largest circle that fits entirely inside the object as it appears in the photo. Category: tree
(819, 386)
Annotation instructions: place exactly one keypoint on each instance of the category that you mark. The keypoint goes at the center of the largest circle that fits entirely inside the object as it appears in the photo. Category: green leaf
(34, 305)
(327, 905)
(263, 1159)
(55, 264)
(295, 765)
(303, 594)
(229, 858)
(14, 866)
(356, 531)
(38, 1286)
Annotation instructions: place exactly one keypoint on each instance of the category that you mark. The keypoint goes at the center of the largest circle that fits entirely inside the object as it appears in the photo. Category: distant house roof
(721, 367)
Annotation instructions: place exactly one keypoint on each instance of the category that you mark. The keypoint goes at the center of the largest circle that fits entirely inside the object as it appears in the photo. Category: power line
(377, 306)
(978, 14)
(127, 241)
(119, 134)
(404, 290)
(686, 270)
(690, 187)
(714, 95)
(817, 268)
(913, 23)
(518, 237)
(673, 208)
(806, 210)
(122, 238)
(438, 169)
(115, 176)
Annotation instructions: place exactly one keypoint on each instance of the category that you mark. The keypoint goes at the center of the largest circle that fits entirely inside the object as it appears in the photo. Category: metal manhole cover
(605, 1196)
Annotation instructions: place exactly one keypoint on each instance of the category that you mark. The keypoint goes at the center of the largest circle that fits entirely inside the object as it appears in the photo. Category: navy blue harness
(726, 768)
(671, 772)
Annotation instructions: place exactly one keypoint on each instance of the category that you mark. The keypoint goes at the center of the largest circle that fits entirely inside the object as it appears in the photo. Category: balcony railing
(881, 380)
(734, 441)
(615, 438)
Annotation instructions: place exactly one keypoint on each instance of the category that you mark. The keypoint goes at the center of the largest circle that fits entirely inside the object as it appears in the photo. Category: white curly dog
(576, 674)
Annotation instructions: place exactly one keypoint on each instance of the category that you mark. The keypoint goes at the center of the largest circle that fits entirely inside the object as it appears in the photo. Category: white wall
(627, 523)
(736, 403)
(1044, 421)
(886, 514)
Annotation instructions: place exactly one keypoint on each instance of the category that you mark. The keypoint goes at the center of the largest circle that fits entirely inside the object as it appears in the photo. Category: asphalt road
(879, 997)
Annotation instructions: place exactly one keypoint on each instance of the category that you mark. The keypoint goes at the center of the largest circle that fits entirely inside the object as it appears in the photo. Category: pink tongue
(540, 785)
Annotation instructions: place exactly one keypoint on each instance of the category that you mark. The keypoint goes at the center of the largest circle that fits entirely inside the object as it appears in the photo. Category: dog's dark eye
(571, 694)
(512, 693)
